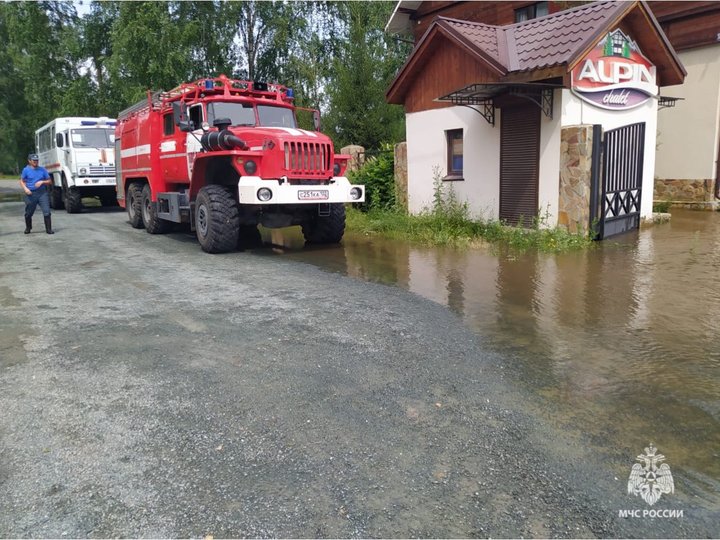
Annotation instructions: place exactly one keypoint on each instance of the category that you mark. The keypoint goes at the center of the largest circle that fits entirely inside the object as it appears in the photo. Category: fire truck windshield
(243, 114)
(240, 114)
(92, 138)
(276, 116)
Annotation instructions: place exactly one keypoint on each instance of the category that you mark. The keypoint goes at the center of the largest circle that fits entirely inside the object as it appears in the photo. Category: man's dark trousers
(39, 196)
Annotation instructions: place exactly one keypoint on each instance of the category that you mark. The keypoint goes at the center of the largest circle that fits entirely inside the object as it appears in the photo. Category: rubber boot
(48, 225)
(28, 224)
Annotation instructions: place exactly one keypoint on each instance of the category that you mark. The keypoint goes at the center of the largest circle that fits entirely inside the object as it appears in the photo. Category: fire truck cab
(225, 156)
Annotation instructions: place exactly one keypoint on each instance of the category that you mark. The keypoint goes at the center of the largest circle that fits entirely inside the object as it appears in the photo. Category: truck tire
(56, 198)
(153, 224)
(133, 204)
(217, 219)
(326, 229)
(72, 199)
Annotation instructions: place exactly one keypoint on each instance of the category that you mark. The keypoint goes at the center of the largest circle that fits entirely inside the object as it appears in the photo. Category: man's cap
(32, 157)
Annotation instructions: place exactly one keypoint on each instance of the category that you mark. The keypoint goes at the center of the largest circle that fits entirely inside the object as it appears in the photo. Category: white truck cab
(79, 154)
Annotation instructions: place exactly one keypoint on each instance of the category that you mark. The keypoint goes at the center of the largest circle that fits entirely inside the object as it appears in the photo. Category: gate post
(596, 221)
(401, 175)
(576, 157)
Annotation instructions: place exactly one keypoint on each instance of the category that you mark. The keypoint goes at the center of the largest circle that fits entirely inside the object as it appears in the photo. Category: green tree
(266, 32)
(362, 70)
(39, 63)
(208, 30)
(13, 106)
(96, 47)
(148, 50)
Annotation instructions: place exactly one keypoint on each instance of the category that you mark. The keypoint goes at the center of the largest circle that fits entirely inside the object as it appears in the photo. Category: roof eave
(399, 22)
(661, 34)
(439, 26)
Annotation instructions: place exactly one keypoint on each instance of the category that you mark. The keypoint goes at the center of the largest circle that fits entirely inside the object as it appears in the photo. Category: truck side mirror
(180, 116)
(316, 120)
(59, 140)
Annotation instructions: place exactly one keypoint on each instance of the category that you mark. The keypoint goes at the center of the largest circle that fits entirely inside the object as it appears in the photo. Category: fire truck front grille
(307, 157)
(101, 171)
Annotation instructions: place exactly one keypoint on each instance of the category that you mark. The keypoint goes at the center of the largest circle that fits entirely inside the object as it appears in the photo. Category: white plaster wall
(549, 178)
(427, 148)
(688, 133)
(576, 112)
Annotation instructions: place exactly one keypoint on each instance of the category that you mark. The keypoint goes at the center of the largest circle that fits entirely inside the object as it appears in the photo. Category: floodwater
(621, 342)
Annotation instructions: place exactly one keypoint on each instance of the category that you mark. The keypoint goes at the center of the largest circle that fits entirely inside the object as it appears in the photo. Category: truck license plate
(313, 195)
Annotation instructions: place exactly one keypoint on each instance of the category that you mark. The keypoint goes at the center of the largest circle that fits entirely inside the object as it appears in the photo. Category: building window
(454, 154)
(533, 11)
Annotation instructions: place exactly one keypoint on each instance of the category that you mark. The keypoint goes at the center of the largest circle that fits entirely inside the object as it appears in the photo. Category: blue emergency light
(290, 93)
(208, 84)
(95, 123)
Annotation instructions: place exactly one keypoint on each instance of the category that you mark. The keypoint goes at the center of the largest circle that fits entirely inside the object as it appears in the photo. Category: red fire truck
(225, 156)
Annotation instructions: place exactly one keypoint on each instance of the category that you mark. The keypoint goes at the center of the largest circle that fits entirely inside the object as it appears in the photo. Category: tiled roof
(481, 35)
(553, 40)
(544, 42)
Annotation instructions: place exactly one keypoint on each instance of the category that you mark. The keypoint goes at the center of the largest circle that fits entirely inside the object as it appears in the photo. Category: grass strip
(456, 230)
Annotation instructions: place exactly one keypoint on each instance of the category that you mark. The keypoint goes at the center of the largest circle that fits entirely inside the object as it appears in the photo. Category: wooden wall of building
(689, 24)
(447, 69)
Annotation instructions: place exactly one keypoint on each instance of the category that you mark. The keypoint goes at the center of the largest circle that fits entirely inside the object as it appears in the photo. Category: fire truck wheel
(133, 203)
(72, 200)
(217, 219)
(326, 229)
(153, 224)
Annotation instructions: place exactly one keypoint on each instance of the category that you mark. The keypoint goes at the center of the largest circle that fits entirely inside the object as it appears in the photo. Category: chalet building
(529, 111)
(687, 169)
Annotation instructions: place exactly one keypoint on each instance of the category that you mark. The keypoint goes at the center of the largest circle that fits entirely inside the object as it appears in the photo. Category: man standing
(33, 179)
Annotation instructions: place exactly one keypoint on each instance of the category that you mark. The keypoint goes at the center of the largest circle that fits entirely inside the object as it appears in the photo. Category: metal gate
(617, 179)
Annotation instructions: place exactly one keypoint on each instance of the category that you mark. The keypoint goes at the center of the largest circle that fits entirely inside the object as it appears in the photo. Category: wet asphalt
(148, 389)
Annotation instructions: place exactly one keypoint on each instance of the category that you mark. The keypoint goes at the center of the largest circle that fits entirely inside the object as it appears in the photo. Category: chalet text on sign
(615, 75)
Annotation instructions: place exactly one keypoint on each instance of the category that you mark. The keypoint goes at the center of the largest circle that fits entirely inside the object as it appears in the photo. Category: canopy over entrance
(486, 96)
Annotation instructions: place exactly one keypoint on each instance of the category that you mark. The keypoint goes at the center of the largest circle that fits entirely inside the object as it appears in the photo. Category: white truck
(79, 154)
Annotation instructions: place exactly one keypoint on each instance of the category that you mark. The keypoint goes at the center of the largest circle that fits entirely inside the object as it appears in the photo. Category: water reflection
(623, 340)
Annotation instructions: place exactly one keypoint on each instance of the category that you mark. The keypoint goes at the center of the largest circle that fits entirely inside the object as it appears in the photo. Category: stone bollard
(357, 156)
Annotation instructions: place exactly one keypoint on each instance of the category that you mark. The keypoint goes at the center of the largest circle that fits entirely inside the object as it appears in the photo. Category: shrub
(378, 176)
(661, 206)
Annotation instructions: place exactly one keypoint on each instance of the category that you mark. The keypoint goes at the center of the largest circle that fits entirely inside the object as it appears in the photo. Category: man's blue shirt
(32, 175)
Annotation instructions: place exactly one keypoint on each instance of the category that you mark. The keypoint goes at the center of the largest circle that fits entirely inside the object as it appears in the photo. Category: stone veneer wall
(684, 191)
(401, 175)
(575, 175)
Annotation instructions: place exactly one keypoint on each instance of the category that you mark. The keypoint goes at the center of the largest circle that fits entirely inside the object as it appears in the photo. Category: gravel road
(148, 389)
